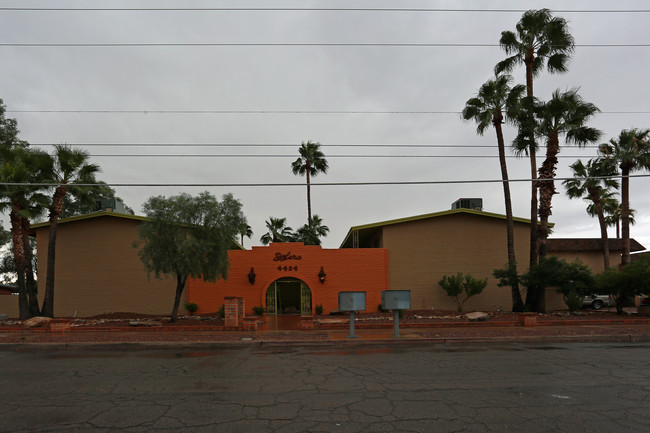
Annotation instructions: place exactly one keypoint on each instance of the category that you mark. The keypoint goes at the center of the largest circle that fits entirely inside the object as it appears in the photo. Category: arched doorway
(288, 296)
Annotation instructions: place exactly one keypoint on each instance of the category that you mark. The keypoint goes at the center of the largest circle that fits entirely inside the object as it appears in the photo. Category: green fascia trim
(432, 215)
(90, 216)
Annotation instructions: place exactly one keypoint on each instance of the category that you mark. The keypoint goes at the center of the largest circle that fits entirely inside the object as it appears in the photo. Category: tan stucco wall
(9, 305)
(98, 270)
(421, 252)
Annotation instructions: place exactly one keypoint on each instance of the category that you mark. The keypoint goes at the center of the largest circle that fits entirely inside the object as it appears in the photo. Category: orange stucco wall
(362, 269)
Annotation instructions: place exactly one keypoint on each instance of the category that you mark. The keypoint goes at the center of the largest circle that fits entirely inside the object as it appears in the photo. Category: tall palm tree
(591, 183)
(631, 151)
(564, 114)
(69, 167)
(311, 162)
(311, 235)
(278, 231)
(540, 40)
(494, 100)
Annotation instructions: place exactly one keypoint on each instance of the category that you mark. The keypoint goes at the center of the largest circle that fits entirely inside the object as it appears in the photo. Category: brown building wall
(98, 270)
(422, 251)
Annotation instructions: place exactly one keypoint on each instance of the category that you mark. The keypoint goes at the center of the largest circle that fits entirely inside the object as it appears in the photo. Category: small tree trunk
(55, 212)
(534, 247)
(308, 197)
(30, 282)
(517, 303)
(180, 285)
(595, 197)
(19, 264)
(625, 216)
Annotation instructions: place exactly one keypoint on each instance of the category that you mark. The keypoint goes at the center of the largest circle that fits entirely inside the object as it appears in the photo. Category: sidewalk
(624, 330)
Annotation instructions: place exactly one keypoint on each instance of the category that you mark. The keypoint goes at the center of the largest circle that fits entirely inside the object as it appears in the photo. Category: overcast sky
(234, 84)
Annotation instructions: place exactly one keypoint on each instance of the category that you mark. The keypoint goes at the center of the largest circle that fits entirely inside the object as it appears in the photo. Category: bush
(259, 311)
(573, 280)
(319, 310)
(573, 301)
(191, 307)
(633, 279)
(462, 287)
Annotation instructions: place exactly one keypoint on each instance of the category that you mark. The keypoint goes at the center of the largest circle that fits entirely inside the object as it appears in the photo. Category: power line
(292, 145)
(185, 155)
(262, 112)
(388, 183)
(262, 9)
(284, 44)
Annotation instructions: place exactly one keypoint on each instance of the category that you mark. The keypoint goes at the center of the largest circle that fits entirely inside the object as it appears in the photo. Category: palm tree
(278, 231)
(311, 235)
(245, 230)
(591, 183)
(311, 162)
(69, 167)
(631, 151)
(25, 166)
(540, 40)
(489, 107)
(565, 114)
(612, 209)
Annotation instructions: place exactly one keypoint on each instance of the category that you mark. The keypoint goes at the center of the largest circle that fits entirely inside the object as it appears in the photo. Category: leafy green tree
(461, 287)
(494, 100)
(70, 170)
(632, 279)
(631, 151)
(592, 183)
(186, 236)
(539, 40)
(278, 231)
(569, 279)
(312, 235)
(311, 162)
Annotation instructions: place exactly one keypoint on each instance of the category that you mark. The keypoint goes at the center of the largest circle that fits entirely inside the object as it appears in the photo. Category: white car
(597, 301)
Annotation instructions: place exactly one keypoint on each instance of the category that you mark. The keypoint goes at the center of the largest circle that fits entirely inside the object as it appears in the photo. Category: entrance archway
(288, 296)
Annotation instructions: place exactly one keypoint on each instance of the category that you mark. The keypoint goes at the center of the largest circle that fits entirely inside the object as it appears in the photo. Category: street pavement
(410, 387)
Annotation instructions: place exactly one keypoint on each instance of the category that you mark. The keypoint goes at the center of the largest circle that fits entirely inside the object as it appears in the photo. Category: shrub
(259, 311)
(319, 310)
(191, 307)
(462, 287)
(633, 279)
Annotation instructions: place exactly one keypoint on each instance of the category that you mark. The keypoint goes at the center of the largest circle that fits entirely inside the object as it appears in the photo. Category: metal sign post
(352, 301)
(396, 300)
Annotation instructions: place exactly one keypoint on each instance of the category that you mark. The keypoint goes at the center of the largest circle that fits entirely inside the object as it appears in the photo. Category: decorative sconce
(251, 276)
(321, 275)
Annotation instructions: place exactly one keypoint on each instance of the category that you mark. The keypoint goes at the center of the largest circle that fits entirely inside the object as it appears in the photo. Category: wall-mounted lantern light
(321, 275)
(251, 276)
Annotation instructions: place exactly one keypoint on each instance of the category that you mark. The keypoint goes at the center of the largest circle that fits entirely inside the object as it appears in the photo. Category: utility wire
(292, 145)
(262, 112)
(431, 182)
(283, 44)
(185, 155)
(262, 9)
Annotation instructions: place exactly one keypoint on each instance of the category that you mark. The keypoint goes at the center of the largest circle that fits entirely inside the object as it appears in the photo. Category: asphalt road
(586, 387)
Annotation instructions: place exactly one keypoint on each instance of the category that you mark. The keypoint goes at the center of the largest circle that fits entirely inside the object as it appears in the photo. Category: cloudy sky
(276, 78)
